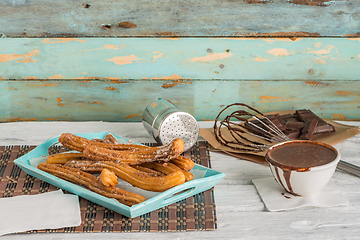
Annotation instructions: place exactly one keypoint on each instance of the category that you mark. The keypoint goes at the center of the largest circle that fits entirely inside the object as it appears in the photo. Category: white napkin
(276, 198)
(50, 210)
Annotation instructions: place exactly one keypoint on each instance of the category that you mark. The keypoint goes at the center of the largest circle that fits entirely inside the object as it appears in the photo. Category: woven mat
(193, 213)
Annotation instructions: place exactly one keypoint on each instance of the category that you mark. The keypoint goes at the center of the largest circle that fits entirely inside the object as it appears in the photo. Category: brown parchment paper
(342, 132)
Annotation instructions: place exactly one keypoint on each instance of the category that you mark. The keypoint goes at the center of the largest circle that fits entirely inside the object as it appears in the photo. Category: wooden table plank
(90, 101)
(188, 71)
(92, 18)
(181, 59)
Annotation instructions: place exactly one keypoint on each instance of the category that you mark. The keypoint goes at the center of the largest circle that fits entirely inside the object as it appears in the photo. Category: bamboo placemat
(193, 213)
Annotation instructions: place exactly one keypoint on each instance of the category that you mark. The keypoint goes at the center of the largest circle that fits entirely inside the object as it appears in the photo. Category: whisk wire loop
(268, 131)
(273, 128)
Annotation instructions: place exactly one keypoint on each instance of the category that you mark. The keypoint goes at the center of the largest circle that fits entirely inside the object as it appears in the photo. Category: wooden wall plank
(182, 59)
(91, 18)
(62, 100)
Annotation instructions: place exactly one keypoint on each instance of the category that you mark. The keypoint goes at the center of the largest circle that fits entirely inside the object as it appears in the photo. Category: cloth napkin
(276, 198)
(50, 210)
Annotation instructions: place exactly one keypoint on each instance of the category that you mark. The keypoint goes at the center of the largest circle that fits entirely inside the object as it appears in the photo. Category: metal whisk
(239, 130)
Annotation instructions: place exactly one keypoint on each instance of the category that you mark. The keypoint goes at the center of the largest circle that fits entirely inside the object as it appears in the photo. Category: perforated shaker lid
(179, 125)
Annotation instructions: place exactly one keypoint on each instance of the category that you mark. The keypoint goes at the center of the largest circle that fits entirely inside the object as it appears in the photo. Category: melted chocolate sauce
(285, 196)
(298, 156)
(286, 175)
(301, 155)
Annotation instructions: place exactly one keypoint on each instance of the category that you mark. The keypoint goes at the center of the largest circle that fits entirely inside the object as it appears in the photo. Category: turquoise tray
(204, 179)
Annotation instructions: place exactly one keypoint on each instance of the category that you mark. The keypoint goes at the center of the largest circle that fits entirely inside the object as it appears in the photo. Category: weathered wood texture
(90, 18)
(182, 59)
(114, 57)
(114, 79)
(125, 101)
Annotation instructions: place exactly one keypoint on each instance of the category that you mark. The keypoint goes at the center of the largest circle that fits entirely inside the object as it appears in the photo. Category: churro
(61, 158)
(73, 142)
(133, 176)
(109, 149)
(110, 139)
(113, 159)
(149, 171)
(137, 155)
(108, 178)
(91, 182)
(168, 168)
(78, 143)
(183, 162)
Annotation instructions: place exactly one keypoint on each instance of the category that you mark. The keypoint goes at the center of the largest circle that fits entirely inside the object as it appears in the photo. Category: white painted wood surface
(240, 211)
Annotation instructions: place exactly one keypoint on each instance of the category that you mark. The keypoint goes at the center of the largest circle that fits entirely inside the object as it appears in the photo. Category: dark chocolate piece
(322, 122)
(252, 128)
(292, 125)
(308, 129)
(322, 126)
(278, 122)
(295, 126)
(292, 134)
(289, 117)
(275, 119)
(305, 115)
(324, 129)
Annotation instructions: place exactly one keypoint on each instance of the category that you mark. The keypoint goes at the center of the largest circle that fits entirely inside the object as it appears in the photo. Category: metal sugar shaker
(166, 122)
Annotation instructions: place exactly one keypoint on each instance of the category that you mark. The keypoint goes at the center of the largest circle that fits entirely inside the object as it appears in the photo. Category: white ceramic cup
(302, 181)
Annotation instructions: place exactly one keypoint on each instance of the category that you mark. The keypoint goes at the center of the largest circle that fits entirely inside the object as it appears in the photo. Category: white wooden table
(241, 213)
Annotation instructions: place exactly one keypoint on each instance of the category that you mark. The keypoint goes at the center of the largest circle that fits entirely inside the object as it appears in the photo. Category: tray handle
(178, 196)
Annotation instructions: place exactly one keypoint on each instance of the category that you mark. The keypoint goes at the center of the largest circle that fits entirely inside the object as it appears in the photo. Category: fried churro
(91, 182)
(168, 168)
(110, 139)
(78, 143)
(108, 178)
(139, 154)
(183, 162)
(110, 150)
(113, 159)
(73, 142)
(149, 171)
(133, 176)
(61, 158)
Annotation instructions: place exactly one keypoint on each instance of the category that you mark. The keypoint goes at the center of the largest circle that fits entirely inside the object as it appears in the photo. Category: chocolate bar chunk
(308, 129)
(305, 114)
(303, 124)
(254, 127)
(292, 134)
(328, 128)
(322, 126)
(278, 122)
(266, 126)
(289, 117)
(292, 125)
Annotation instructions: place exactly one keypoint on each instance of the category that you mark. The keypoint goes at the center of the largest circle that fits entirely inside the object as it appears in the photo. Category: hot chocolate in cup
(302, 167)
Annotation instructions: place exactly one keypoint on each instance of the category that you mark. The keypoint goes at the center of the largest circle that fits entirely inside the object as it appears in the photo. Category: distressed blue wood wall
(91, 60)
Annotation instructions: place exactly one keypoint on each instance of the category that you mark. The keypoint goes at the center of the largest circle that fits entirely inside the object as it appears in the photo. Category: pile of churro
(97, 164)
